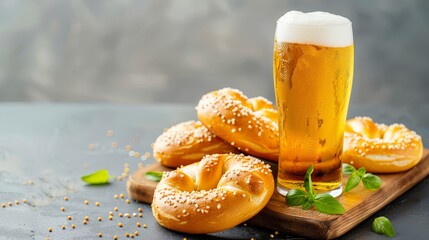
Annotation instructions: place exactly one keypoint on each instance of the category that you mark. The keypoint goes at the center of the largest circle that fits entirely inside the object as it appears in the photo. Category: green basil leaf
(296, 197)
(348, 169)
(371, 181)
(308, 185)
(306, 205)
(382, 225)
(361, 171)
(154, 176)
(352, 182)
(325, 203)
(97, 178)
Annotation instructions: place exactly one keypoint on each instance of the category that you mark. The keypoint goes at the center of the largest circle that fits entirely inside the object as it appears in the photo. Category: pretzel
(381, 148)
(186, 143)
(215, 194)
(250, 125)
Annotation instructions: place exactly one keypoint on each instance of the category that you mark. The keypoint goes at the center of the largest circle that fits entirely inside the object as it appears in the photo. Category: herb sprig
(369, 180)
(154, 176)
(383, 226)
(97, 178)
(322, 202)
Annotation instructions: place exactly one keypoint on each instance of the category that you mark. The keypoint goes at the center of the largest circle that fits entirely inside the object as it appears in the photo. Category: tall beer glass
(313, 74)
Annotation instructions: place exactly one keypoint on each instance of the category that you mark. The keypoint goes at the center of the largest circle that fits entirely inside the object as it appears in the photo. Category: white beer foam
(316, 28)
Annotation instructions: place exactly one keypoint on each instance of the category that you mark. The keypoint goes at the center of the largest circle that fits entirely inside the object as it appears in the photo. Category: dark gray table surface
(44, 150)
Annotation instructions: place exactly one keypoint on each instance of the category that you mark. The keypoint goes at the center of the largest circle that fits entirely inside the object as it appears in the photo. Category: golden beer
(312, 84)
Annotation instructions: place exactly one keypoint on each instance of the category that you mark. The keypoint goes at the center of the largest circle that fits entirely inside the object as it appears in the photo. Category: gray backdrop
(175, 51)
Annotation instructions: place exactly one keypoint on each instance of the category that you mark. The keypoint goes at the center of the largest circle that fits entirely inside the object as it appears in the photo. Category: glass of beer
(313, 75)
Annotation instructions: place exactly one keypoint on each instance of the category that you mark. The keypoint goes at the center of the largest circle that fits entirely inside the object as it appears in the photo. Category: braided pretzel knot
(381, 148)
(215, 194)
(250, 125)
(186, 143)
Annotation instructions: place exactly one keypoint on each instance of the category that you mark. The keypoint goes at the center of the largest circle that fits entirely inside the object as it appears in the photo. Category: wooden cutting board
(359, 203)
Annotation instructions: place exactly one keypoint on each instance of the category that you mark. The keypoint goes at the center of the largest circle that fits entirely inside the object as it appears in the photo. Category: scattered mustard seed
(276, 232)
(63, 227)
(127, 215)
(85, 222)
(73, 226)
(114, 144)
(63, 209)
(69, 217)
(86, 218)
(110, 213)
(116, 196)
(140, 209)
(3, 205)
(144, 225)
(119, 178)
(127, 234)
(136, 233)
(115, 237)
(100, 234)
(120, 224)
(128, 148)
(110, 217)
(16, 202)
(109, 133)
(116, 209)
(50, 229)
(120, 214)
(91, 146)
(97, 204)
(138, 224)
(136, 154)
(140, 215)
(271, 236)
(128, 201)
(10, 204)
(66, 198)
(86, 202)
(24, 200)
(131, 235)
(99, 219)
(121, 196)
